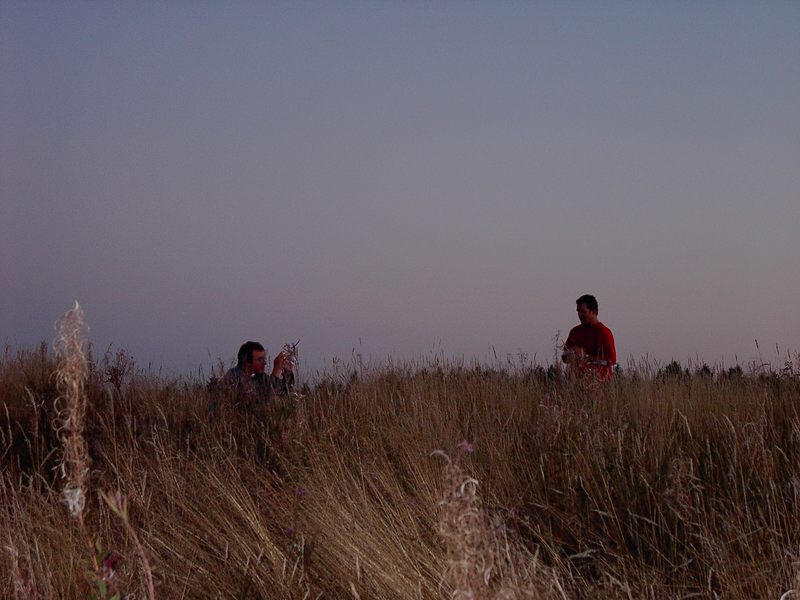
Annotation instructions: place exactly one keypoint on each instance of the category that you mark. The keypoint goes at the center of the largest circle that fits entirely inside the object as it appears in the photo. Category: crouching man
(249, 380)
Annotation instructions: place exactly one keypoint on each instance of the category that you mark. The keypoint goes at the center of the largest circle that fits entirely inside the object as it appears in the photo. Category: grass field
(414, 481)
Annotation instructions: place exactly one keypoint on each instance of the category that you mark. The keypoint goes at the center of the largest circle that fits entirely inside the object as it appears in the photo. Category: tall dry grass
(660, 485)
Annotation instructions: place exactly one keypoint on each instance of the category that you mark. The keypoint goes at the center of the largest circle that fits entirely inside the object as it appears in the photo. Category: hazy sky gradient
(401, 178)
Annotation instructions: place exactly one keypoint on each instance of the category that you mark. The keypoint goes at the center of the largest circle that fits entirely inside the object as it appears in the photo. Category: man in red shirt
(589, 349)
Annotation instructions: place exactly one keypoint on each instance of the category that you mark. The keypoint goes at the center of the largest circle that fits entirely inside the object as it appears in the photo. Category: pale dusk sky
(401, 179)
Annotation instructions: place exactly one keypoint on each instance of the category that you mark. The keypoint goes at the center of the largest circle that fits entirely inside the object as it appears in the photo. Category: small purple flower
(465, 446)
(108, 565)
(301, 492)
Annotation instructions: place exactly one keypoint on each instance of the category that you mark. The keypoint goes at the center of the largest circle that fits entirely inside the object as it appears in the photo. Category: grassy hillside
(418, 481)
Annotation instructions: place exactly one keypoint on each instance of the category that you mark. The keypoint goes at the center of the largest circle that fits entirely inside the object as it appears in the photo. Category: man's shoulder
(603, 329)
(575, 331)
(234, 374)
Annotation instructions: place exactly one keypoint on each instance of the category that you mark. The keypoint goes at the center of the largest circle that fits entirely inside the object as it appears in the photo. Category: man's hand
(281, 364)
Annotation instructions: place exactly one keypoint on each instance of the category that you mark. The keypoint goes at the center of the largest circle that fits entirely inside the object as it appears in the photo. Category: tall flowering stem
(71, 348)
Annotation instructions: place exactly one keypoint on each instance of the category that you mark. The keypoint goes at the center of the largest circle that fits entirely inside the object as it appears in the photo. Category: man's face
(259, 362)
(586, 316)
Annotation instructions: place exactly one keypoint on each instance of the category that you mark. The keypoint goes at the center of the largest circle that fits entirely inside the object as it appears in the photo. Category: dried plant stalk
(292, 354)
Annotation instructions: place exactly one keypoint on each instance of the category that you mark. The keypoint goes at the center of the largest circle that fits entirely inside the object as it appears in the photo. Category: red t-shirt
(597, 342)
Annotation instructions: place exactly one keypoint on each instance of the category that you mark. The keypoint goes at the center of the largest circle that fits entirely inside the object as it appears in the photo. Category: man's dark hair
(245, 354)
(589, 300)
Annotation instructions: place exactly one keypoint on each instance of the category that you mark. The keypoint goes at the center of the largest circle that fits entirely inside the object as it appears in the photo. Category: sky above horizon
(401, 179)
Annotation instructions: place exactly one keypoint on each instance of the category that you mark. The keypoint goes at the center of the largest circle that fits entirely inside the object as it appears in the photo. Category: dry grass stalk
(118, 503)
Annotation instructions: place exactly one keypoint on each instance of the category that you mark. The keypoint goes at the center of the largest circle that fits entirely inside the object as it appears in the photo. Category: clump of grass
(464, 528)
(482, 563)
(651, 487)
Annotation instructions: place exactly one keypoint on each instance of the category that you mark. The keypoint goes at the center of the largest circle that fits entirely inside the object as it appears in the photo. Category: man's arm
(567, 355)
(281, 380)
(572, 352)
(608, 351)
